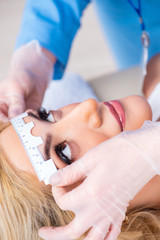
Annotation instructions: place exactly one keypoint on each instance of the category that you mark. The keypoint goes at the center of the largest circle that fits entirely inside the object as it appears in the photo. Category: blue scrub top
(54, 24)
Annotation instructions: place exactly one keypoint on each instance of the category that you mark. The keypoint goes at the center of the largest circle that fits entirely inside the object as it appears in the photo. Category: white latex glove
(27, 79)
(112, 173)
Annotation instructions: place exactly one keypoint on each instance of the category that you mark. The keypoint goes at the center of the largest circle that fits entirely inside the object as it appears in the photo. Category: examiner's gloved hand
(111, 174)
(27, 79)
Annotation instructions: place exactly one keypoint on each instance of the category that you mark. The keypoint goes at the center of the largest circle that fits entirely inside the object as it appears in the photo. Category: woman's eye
(50, 118)
(64, 152)
(45, 115)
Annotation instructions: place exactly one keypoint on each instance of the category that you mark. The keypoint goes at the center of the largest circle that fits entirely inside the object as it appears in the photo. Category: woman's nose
(88, 112)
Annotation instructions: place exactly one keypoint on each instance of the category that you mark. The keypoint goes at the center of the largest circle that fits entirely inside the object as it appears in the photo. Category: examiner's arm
(153, 75)
(151, 88)
(53, 25)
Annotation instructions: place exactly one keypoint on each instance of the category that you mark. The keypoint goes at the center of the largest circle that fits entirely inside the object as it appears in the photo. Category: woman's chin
(137, 111)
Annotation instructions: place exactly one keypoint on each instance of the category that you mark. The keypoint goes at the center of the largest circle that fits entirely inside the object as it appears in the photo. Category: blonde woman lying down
(68, 133)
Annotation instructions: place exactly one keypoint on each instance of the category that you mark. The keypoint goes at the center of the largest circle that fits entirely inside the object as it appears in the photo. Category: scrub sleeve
(54, 24)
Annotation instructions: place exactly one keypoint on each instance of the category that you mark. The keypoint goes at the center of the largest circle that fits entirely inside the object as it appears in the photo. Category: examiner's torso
(122, 30)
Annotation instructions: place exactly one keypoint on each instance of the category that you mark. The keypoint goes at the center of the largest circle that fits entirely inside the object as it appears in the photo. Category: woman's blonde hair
(26, 205)
(142, 224)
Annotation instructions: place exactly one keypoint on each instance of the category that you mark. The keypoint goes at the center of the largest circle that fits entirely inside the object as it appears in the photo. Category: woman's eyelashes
(45, 115)
(64, 152)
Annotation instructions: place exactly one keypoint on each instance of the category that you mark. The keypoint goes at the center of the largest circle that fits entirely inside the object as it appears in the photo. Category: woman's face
(77, 128)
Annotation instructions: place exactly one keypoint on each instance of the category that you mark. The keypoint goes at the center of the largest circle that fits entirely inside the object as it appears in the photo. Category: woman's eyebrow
(47, 147)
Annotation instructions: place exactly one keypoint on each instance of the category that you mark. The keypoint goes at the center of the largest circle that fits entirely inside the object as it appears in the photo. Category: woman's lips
(118, 112)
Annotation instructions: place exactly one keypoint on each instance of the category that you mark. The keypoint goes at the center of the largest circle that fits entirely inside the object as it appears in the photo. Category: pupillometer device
(43, 168)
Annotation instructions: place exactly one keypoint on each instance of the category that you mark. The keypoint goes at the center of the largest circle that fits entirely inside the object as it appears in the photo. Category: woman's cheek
(137, 110)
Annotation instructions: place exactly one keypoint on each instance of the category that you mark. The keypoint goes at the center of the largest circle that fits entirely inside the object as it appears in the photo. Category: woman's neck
(149, 196)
